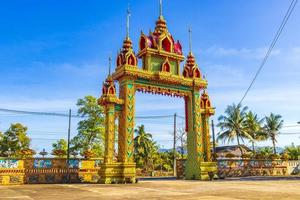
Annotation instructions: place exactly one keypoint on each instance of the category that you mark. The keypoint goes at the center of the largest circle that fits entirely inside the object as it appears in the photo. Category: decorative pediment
(126, 56)
(166, 44)
(166, 67)
(131, 58)
(108, 88)
(205, 101)
(191, 69)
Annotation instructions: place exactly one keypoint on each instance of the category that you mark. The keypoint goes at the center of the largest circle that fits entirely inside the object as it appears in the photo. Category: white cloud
(33, 104)
(72, 69)
(257, 53)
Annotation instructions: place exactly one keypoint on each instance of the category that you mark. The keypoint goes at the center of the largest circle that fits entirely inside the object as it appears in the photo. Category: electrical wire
(75, 116)
(37, 113)
(273, 43)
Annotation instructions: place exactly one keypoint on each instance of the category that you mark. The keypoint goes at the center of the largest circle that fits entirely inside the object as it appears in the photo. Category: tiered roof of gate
(160, 57)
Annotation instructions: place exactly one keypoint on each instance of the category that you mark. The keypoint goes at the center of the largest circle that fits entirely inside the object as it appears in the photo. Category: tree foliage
(60, 148)
(145, 148)
(273, 124)
(14, 140)
(147, 155)
(253, 126)
(232, 124)
(292, 151)
(91, 129)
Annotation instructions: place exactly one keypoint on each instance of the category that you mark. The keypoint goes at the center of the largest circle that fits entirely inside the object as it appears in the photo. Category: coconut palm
(292, 151)
(143, 146)
(253, 126)
(232, 125)
(272, 126)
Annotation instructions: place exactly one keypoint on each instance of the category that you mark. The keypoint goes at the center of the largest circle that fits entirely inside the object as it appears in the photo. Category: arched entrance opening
(159, 134)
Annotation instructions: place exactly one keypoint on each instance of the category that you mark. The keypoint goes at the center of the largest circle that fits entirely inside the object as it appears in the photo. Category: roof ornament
(190, 40)
(109, 65)
(160, 9)
(127, 22)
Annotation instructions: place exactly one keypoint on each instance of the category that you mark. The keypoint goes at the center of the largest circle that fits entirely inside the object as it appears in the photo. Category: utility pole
(214, 141)
(68, 149)
(174, 146)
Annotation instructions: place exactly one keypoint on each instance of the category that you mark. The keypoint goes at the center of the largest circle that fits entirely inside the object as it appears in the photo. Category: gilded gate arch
(160, 73)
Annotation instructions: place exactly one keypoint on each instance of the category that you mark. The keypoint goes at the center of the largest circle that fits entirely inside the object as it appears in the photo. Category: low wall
(48, 170)
(248, 167)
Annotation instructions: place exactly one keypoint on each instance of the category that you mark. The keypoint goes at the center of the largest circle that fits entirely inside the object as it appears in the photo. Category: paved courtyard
(171, 189)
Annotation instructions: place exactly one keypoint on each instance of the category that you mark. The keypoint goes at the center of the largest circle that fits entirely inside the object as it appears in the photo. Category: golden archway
(159, 74)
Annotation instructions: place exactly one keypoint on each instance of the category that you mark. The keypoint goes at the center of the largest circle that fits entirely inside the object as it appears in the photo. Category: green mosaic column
(126, 125)
(206, 138)
(109, 133)
(194, 137)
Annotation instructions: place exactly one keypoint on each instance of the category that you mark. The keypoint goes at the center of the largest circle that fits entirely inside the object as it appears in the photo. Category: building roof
(231, 148)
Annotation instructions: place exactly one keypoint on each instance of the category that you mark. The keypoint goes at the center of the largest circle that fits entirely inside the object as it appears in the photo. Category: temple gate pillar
(109, 110)
(206, 112)
(110, 170)
(194, 136)
(126, 125)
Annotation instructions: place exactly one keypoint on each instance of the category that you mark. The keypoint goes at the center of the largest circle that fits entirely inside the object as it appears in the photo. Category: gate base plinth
(205, 171)
(111, 173)
(208, 170)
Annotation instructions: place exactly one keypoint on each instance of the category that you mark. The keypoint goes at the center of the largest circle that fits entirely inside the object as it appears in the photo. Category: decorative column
(126, 125)
(206, 112)
(194, 136)
(109, 171)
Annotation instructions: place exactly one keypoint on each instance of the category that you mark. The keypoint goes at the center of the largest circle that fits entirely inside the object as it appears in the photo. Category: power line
(279, 31)
(288, 126)
(295, 133)
(37, 113)
(22, 112)
(154, 117)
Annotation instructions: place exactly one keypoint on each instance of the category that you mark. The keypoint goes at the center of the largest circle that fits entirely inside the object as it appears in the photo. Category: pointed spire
(127, 22)
(109, 65)
(190, 40)
(160, 9)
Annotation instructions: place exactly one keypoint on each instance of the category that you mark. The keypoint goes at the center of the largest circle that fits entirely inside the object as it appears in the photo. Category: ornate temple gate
(160, 74)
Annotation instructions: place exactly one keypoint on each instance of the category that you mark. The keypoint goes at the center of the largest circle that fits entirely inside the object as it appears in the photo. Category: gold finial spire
(160, 9)
(109, 65)
(190, 40)
(127, 22)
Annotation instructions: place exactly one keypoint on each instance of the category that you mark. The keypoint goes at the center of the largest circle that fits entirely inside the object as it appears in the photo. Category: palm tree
(143, 145)
(253, 126)
(232, 124)
(292, 151)
(272, 126)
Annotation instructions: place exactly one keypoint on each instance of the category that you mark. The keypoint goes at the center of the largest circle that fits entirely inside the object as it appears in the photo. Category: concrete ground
(252, 188)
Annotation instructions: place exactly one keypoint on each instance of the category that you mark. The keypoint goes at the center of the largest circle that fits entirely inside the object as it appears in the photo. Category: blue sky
(54, 52)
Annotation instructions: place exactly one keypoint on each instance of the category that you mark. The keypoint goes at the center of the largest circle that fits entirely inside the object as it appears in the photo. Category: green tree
(181, 136)
(14, 140)
(292, 151)
(264, 152)
(144, 148)
(232, 125)
(253, 126)
(272, 126)
(60, 148)
(90, 130)
(166, 160)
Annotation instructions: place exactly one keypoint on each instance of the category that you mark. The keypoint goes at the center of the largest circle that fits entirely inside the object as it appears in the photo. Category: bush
(88, 154)
(246, 155)
(230, 155)
(260, 156)
(27, 153)
(274, 156)
(59, 153)
(285, 156)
